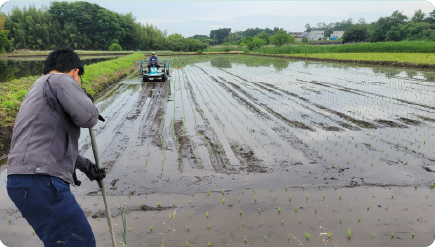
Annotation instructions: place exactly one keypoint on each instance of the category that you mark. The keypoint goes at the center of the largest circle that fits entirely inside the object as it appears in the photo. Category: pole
(101, 184)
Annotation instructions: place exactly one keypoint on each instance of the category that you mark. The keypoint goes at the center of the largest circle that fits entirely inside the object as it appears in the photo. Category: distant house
(316, 35)
(299, 35)
(337, 34)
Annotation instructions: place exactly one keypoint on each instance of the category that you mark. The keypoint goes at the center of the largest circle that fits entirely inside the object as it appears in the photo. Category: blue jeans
(51, 209)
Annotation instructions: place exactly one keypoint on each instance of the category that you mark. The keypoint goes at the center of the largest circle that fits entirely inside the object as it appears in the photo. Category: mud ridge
(343, 124)
(389, 123)
(207, 132)
(247, 158)
(115, 212)
(185, 149)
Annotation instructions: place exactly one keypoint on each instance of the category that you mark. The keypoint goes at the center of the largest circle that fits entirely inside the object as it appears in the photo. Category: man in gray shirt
(44, 153)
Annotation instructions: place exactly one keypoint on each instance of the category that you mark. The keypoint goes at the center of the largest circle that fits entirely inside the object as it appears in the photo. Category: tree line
(84, 26)
(397, 27)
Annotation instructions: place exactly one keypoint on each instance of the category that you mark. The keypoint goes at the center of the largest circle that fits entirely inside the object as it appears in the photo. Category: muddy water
(239, 123)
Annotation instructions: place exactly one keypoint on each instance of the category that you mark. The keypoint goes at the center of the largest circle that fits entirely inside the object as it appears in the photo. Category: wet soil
(345, 143)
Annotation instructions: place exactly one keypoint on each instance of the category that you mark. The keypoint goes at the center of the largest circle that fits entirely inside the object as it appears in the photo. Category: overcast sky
(199, 17)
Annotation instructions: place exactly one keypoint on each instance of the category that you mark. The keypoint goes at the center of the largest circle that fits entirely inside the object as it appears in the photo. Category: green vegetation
(416, 58)
(96, 78)
(86, 26)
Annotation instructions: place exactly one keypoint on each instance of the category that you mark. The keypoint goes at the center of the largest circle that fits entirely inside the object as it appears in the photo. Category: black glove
(101, 118)
(101, 174)
(90, 96)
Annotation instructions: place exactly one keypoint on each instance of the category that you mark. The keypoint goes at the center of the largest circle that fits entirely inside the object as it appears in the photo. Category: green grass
(96, 78)
(417, 58)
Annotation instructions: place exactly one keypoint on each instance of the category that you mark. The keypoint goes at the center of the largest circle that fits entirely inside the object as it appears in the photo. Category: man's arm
(76, 103)
(89, 168)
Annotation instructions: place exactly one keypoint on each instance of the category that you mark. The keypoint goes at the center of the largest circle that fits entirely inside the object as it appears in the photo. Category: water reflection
(11, 69)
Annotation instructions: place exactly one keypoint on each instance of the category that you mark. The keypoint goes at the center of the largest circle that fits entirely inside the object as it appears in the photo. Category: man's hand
(101, 174)
(89, 95)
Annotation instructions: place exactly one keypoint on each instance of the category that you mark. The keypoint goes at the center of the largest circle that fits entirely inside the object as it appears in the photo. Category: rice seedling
(296, 210)
(288, 237)
(151, 228)
(339, 197)
(349, 232)
(246, 241)
(255, 198)
(206, 214)
(307, 235)
(208, 193)
(241, 212)
(340, 220)
(412, 235)
(223, 200)
(290, 198)
(315, 207)
(243, 224)
(239, 199)
(159, 204)
(359, 220)
(392, 235)
(300, 221)
(329, 234)
(208, 227)
(368, 208)
(282, 222)
(190, 215)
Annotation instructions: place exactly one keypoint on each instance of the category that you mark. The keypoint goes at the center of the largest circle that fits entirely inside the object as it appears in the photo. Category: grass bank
(413, 58)
(380, 47)
(97, 77)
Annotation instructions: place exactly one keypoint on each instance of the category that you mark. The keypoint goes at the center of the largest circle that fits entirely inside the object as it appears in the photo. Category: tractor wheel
(164, 78)
(167, 72)
(145, 79)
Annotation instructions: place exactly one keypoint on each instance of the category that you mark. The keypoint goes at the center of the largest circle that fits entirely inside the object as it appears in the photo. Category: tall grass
(97, 77)
(380, 47)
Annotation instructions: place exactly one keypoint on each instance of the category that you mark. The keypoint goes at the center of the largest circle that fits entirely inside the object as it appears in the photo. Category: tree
(357, 33)
(308, 27)
(304, 40)
(220, 34)
(175, 36)
(264, 36)
(384, 24)
(394, 34)
(418, 16)
(115, 47)
(280, 38)
(256, 43)
(4, 42)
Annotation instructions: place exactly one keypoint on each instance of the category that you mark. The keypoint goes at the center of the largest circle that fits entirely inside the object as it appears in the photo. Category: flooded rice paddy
(236, 150)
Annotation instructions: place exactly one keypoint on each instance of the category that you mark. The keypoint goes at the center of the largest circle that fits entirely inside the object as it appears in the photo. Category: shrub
(280, 38)
(115, 47)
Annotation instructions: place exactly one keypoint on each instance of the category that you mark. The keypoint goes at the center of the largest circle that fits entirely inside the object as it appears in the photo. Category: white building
(316, 35)
(337, 34)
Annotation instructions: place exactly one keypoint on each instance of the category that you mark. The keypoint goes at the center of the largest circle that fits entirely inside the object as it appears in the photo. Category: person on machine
(153, 62)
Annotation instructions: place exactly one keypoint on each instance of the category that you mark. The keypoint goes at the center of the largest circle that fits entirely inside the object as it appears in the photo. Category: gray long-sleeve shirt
(47, 129)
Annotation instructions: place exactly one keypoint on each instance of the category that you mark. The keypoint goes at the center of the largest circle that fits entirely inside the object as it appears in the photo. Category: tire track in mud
(355, 91)
(215, 153)
(341, 115)
(241, 100)
(185, 150)
(150, 123)
(120, 139)
(290, 138)
(242, 152)
(298, 124)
